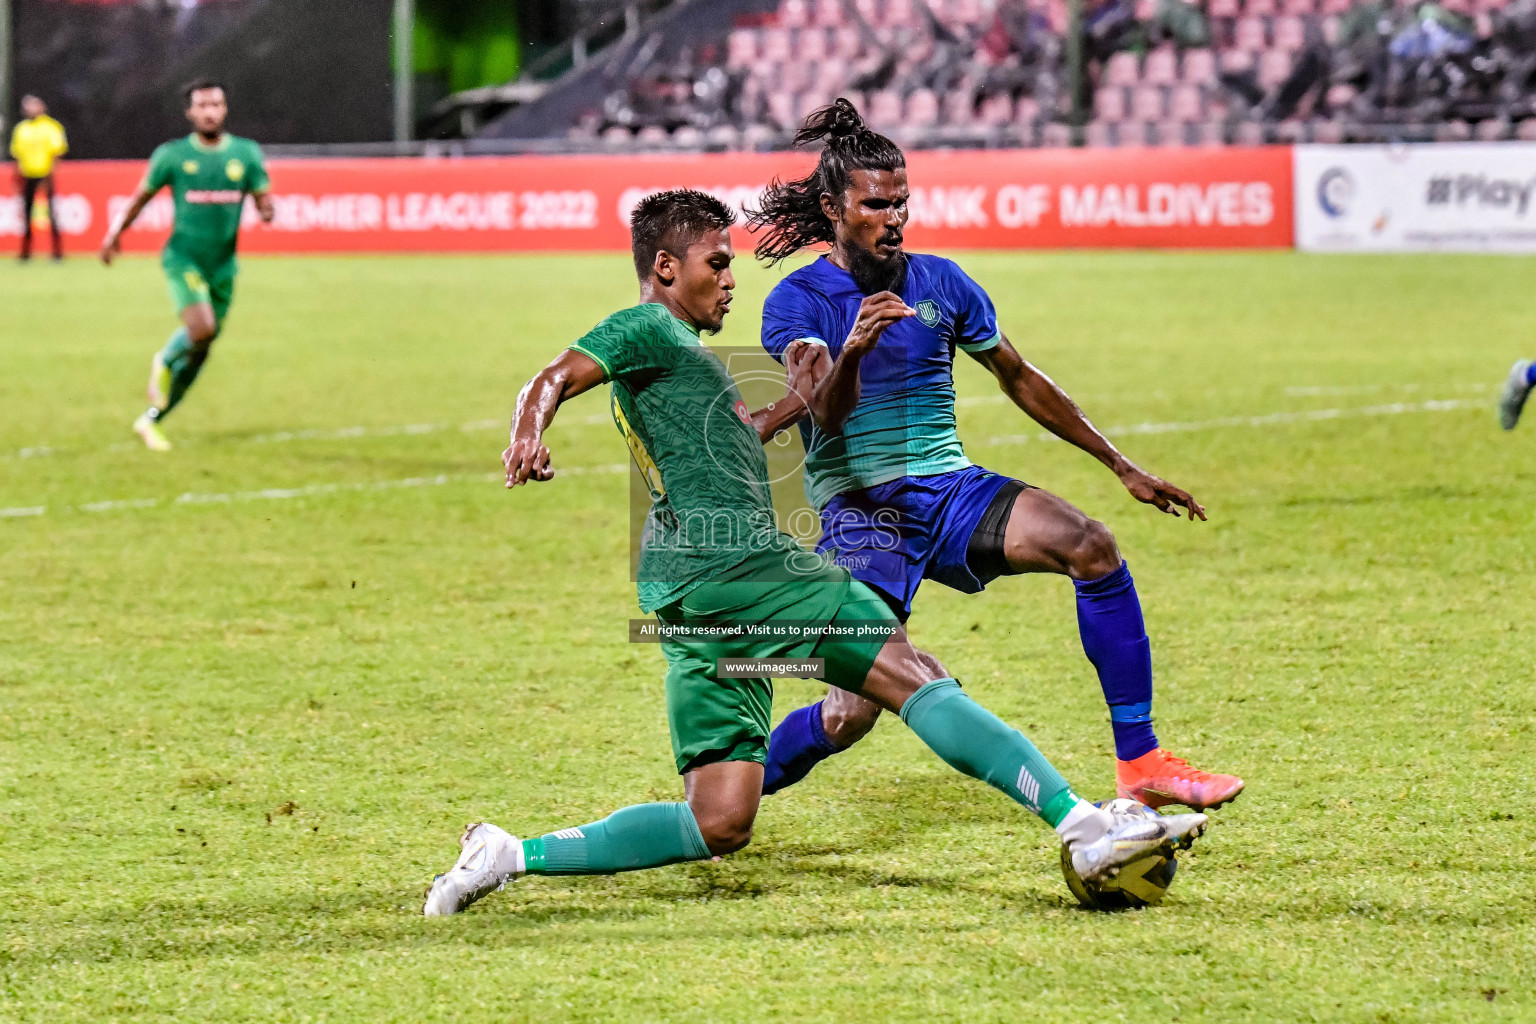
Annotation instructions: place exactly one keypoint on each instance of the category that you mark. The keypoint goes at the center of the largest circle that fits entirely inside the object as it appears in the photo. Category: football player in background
(209, 173)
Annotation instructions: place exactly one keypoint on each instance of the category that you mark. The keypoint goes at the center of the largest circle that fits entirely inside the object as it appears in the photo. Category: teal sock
(184, 361)
(177, 349)
(642, 836)
(973, 740)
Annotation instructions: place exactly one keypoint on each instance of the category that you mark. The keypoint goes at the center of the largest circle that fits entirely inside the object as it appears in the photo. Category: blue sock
(1115, 640)
(796, 746)
(1530, 374)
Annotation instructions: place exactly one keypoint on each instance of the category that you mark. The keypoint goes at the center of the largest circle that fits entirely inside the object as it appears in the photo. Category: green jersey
(692, 439)
(209, 185)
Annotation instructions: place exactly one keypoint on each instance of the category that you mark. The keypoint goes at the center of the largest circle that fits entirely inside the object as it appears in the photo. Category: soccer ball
(1141, 883)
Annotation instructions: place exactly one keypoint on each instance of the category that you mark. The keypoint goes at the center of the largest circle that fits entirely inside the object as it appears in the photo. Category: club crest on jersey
(189, 166)
(742, 413)
(235, 169)
(928, 313)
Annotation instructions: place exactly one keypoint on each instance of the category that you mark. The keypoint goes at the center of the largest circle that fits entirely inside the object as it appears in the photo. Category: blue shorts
(894, 535)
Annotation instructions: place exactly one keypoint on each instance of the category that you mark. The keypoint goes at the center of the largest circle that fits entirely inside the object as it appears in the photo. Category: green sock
(973, 740)
(184, 361)
(642, 836)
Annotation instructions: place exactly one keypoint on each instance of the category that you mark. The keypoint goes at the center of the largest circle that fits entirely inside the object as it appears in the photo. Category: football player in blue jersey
(899, 500)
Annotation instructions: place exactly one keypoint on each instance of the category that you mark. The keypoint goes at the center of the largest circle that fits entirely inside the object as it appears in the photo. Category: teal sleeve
(630, 342)
(161, 167)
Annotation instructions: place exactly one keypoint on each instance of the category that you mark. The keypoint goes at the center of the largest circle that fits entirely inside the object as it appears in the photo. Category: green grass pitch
(250, 691)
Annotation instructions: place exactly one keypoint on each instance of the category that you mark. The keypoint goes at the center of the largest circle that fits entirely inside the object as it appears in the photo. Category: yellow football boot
(159, 383)
(149, 432)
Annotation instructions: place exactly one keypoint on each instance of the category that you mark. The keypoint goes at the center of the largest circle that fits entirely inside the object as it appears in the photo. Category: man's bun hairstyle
(791, 210)
(839, 119)
(672, 221)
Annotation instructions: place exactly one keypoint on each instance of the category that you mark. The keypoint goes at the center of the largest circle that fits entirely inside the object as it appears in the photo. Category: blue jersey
(904, 424)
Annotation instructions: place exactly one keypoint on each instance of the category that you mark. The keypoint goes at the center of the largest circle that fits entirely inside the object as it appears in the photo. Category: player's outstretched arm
(1049, 406)
(805, 364)
(837, 394)
(112, 243)
(526, 458)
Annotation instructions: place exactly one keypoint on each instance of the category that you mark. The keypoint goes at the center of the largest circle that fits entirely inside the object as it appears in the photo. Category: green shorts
(715, 719)
(191, 283)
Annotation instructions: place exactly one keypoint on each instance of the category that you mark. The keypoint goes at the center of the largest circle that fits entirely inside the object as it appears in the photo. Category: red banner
(1016, 199)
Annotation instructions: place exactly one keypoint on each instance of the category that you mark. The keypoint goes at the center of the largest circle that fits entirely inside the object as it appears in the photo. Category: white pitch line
(326, 434)
(286, 493)
(1309, 391)
(43, 451)
(1268, 419)
(1175, 427)
(351, 433)
(1335, 391)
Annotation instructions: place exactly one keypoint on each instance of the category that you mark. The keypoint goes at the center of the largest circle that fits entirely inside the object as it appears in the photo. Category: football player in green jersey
(729, 590)
(209, 173)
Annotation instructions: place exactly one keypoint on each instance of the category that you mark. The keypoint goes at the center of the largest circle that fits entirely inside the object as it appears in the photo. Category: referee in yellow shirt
(37, 143)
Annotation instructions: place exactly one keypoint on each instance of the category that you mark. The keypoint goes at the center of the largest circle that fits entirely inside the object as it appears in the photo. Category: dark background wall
(296, 70)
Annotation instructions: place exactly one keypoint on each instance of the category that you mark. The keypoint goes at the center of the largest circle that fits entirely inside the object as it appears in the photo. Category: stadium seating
(993, 73)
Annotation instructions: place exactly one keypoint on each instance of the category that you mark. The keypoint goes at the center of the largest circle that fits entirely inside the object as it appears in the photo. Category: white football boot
(1120, 832)
(489, 858)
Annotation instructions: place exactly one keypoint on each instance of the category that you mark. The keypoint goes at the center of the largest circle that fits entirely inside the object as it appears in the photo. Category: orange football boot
(1157, 779)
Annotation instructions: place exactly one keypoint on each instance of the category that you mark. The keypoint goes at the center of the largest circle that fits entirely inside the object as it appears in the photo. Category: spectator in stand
(1305, 86)
(874, 71)
(1310, 72)
(1514, 53)
(1421, 55)
(1361, 51)
(1006, 35)
(1180, 23)
(1433, 33)
(1111, 26)
(1396, 68)
(1017, 46)
(1361, 58)
(934, 60)
(37, 143)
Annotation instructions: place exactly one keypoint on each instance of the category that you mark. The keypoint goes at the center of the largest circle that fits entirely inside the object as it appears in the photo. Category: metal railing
(604, 23)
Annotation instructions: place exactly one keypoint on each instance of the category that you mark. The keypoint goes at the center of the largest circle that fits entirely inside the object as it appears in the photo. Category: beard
(873, 274)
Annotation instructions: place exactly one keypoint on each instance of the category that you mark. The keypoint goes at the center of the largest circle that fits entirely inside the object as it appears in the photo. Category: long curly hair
(791, 210)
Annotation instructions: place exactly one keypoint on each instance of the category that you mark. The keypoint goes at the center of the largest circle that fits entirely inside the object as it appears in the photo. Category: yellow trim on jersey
(217, 147)
(643, 460)
(607, 370)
